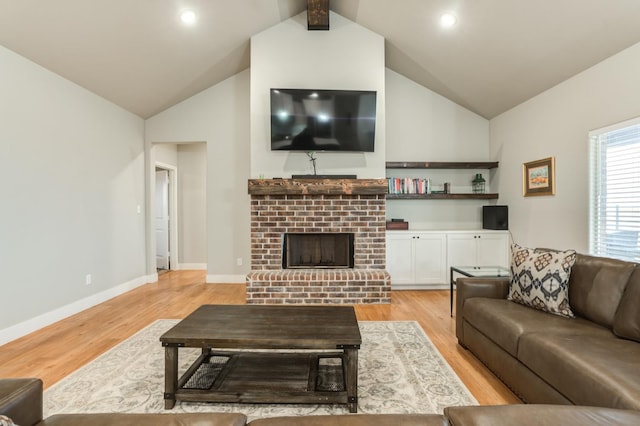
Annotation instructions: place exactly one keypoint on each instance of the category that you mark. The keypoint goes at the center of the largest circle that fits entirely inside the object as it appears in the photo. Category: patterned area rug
(399, 371)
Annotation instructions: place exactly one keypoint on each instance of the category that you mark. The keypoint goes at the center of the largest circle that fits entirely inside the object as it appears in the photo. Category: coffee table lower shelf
(265, 377)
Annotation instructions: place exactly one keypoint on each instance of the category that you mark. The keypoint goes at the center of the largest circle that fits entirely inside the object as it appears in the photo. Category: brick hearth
(318, 205)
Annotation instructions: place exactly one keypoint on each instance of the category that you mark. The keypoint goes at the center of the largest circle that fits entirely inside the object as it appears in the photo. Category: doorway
(185, 193)
(162, 226)
(165, 224)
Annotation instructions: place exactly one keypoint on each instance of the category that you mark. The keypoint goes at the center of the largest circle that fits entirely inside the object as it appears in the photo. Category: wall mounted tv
(323, 120)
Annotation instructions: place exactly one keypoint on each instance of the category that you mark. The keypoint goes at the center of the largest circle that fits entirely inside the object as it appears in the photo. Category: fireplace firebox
(317, 250)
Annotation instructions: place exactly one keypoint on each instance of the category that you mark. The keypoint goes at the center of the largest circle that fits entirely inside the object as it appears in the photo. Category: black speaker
(495, 217)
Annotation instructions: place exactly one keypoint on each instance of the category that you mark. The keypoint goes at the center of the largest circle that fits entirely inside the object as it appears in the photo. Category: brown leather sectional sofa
(21, 400)
(593, 359)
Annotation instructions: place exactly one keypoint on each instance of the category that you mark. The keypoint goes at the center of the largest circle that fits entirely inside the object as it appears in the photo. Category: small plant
(313, 159)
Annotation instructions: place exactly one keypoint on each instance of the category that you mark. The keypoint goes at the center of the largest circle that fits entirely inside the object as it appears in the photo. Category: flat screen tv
(323, 120)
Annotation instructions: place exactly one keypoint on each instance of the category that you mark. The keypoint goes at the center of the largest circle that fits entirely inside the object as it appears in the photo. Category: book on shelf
(409, 185)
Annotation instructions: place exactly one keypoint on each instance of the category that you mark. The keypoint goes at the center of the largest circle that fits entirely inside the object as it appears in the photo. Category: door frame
(173, 213)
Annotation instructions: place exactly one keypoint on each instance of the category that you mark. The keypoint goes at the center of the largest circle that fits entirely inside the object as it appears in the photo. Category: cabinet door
(430, 260)
(400, 258)
(493, 250)
(461, 249)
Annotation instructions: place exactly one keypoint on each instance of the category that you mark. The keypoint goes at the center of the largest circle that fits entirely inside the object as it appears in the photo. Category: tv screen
(323, 120)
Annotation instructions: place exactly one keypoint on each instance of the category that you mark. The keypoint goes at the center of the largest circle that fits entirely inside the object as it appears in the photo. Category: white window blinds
(615, 192)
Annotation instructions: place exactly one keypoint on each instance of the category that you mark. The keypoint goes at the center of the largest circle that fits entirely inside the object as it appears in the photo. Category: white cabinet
(478, 248)
(400, 257)
(421, 259)
(416, 259)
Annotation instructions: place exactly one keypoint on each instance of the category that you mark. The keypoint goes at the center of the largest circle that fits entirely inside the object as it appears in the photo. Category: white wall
(218, 116)
(424, 126)
(556, 123)
(72, 180)
(287, 55)
(166, 153)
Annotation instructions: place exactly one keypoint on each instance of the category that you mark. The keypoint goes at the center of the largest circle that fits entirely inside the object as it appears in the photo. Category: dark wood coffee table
(265, 354)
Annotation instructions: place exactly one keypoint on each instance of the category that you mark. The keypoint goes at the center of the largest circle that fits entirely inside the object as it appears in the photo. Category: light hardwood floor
(55, 351)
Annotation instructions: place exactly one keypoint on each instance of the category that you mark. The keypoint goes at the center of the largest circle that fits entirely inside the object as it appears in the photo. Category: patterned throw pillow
(6, 421)
(540, 279)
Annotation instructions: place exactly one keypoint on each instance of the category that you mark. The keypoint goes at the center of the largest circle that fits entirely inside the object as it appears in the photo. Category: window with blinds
(615, 192)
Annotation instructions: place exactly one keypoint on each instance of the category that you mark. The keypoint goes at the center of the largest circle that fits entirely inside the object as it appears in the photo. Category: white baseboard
(192, 266)
(226, 279)
(22, 329)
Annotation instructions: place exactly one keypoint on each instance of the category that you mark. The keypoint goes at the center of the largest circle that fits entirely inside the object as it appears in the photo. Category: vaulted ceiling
(137, 54)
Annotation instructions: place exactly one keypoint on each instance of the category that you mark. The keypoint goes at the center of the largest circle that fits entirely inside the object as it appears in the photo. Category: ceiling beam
(318, 15)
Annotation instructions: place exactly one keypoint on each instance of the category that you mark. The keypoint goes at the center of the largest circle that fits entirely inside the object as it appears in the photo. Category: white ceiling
(137, 54)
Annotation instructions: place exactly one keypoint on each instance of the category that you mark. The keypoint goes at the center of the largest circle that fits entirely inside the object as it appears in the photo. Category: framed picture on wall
(539, 177)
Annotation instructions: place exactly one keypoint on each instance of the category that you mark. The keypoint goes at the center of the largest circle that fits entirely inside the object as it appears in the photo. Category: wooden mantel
(318, 186)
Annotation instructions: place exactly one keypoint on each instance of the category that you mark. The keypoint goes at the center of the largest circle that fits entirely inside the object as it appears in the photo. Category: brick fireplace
(330, 207)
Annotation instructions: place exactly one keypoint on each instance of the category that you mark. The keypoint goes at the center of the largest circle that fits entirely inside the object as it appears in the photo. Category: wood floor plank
(53, 352)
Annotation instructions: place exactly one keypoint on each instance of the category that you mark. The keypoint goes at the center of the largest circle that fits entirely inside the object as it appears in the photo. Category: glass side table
(474, 271)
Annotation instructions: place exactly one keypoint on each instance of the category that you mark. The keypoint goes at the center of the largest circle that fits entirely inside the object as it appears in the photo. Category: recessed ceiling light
(188, 17)
(448, 20)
